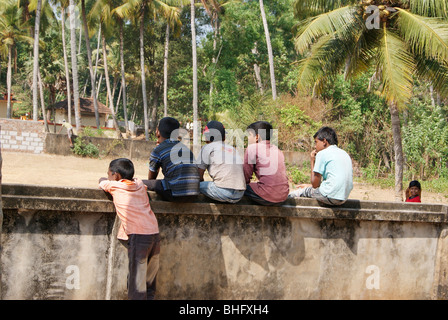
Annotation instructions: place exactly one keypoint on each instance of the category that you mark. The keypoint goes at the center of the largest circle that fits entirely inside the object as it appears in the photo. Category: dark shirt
(178, 167)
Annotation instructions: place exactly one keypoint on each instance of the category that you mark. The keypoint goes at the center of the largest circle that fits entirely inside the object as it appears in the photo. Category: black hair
(263, 128)
(415, 183)
(167, 125)
(124, 167)
(327, 133)
(215, 131)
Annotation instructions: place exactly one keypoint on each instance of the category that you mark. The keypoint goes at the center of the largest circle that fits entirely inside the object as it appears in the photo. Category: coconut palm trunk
(89, 58)
(165, 70)
(143, 73)
(123, 79)
(74, 65)
(9, 83)
(109, 93)
(42, 102)
(195, 79)
(398, 150)
(269, 47)
(36, 61)
(67, 72)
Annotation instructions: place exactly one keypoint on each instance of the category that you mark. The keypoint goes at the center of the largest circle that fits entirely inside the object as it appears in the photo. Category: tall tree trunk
(67, 72)
(9, 83)
(142, 67)
(271, 57)
(89, 58)
(109, 92)
(74, 65)
(123, 79)
(398, 150)
(97, 54)
(257, 70)
(36, 61)
(42, 102)
(196, 145)
(165, 71)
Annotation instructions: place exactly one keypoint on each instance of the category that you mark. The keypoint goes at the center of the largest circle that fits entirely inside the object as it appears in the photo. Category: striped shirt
(178, 167)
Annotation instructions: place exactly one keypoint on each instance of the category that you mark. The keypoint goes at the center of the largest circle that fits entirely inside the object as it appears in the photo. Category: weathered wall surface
(58, 243)
(22, 136)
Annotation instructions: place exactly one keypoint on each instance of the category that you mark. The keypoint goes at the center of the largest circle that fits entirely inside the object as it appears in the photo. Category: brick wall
(22, 136)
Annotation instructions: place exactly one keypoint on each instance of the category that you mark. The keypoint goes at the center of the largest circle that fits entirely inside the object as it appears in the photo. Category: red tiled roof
(86, 105)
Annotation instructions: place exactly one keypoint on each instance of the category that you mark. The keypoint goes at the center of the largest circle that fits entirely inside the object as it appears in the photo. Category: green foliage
(91, 132)
(425, 140)
(298, 175)
(81, 148)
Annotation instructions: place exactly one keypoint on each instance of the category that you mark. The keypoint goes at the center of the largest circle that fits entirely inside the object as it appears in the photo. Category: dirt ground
(54, 170)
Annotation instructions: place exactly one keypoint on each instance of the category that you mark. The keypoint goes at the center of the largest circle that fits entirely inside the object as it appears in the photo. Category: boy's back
(180, 171)
(335, 166)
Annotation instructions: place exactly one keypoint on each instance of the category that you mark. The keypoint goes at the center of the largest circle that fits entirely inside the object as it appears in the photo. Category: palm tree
(64, 4)
(137, 9)
(12, 30)
(36, 61)
(173, 23)
(400, 39)
(74, 64)
(195, 77)
(269, 47)
(103, 10)
(89, 58)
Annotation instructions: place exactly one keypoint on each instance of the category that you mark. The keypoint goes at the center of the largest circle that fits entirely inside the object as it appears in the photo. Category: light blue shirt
(335, 166)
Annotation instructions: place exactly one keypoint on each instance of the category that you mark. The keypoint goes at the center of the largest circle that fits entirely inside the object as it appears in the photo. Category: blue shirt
(178, 167)
(335, 166)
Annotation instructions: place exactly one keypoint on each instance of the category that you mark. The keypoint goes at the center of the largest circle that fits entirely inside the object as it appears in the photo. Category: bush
(81, 148)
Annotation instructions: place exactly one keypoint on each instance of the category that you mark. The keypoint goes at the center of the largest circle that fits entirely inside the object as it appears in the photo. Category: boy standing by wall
(268, 163)
(331, 171)
(139, 230)
(181, 178)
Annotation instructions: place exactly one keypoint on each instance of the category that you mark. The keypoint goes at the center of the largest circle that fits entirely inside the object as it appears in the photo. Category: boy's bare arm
(201, 174)
(316, 178)
(153, 175)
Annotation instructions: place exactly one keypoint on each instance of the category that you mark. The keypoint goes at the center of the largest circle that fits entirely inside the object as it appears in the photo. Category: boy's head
(325, 137)
(259, 131)
(121, 168)
(166, 126)
(414, 188)
(214, 131)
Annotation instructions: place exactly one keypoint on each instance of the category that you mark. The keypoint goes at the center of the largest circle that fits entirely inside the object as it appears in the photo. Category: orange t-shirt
(132, 205)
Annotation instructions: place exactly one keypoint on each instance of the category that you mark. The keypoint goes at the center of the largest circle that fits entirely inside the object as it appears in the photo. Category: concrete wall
(22, 136)
(58, 244)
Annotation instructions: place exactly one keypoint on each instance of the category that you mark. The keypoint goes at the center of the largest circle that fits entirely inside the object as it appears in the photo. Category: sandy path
(53, 170)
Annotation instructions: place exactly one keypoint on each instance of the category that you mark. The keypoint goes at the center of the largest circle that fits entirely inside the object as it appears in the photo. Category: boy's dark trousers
(143, 254)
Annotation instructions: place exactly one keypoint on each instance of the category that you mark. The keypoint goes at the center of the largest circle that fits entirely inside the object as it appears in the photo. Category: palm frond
(342, 20)
(396, 67)
(434, 72)
(428, 8)
(426, 36)
(304, 8)
(326, 59)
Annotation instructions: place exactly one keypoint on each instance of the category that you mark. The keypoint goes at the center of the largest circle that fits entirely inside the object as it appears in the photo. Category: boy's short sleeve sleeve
(319, 165)
(154, 161)
(204, 159)
(105, 185)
